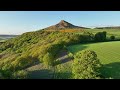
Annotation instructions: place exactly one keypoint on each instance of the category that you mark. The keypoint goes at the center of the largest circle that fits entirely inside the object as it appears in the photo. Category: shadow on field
(64, 60)
(74, 49)
(40, 74)
(111, 70)
(63, 57)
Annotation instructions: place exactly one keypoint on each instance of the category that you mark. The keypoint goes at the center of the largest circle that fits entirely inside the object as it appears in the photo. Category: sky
(18, 22)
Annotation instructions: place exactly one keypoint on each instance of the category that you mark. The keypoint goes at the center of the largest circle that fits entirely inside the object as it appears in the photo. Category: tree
(90, 35)
(48, 59)
(112, 37)
(21, 74)
(86, 65)
(104, 33)
(100, 36)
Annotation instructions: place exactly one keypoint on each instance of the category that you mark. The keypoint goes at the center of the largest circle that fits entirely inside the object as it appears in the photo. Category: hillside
(30, 48)
(43, 54)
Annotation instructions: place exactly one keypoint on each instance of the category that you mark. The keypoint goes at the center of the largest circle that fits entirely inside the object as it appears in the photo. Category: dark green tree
(112, 37)
(100, 36)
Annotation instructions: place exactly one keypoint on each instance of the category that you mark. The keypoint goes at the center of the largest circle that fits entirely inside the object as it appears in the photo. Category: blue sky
(18, 22)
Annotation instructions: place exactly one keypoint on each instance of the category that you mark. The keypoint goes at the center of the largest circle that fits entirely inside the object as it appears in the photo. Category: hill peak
(62, 25)
(63, 21)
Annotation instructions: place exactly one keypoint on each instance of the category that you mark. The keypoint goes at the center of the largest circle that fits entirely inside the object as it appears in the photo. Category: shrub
(48, 59)
(86, 65)
(70, 55)
(8, 67)
(20, 74)
(5, 74)
(89, 36)
(112, 37)
(100, 36)
(40, 58)
(23, 62)
(104, 35)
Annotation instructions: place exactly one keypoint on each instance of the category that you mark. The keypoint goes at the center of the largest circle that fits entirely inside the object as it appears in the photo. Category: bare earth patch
(40, 71)
(63, 57)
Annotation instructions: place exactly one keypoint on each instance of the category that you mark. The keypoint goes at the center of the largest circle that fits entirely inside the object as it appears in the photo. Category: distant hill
(7, 36)
(113, 27)
(64, 25)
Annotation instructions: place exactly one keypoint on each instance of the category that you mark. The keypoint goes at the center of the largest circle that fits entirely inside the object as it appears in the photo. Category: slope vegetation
(30, 48)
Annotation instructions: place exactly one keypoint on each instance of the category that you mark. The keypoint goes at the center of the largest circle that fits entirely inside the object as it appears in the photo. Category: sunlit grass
(108, 53)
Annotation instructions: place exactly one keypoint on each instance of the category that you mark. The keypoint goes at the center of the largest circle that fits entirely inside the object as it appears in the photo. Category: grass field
(108, 53)
(110, 32)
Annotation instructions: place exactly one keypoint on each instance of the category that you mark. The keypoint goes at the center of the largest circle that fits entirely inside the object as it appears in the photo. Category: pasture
(110, 32)
(108, 53)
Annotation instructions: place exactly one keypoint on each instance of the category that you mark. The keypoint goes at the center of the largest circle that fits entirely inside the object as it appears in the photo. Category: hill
(27, 53)
(7, 36)
(3, 38)
(64, 25)
(24, 51)
(112, 27)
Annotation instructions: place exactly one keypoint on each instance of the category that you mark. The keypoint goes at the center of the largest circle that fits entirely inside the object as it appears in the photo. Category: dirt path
(63, 56)
(40, 71)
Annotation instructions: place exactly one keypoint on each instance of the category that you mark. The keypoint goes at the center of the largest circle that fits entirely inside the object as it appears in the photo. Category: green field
(110, 32)
(108, 53)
